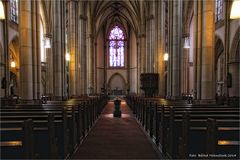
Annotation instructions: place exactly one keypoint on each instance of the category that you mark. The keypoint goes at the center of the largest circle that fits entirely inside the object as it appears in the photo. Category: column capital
(184, 35)
(83, 17)
(149, 17)
(90, 35)
(48, 35)
(142, 35)
(72, 1)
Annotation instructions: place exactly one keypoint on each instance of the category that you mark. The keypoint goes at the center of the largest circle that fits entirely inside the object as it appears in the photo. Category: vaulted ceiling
(129, 13)
(125, 12)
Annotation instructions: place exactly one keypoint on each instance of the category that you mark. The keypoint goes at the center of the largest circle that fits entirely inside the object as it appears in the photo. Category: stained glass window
(116, 47)
(218, 10)
(14, 10)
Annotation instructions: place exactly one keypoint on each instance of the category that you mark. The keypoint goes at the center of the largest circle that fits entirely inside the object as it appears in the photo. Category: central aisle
(116, 138)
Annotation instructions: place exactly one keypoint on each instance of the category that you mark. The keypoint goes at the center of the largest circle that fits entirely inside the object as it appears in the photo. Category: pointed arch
(235, 47)
(219, 47)
(117, 82)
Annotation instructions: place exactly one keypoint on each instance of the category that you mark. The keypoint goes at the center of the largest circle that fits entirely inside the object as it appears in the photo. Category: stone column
(49, 70)
(148, 53)
(142, 50)
(58, 52)
(153, 36)
(184, 70)
(26, 57)
(160, 63)
(141, 57)
(208, 78)
(5, 53)
(73, 48)
(204, 49)
(197, 48)
(83, 57)
(226, 48)
(142, 40)
(176, 49)
(36, 50)
(168, 49)
(138, 67)
(90, 52)
(82, 52)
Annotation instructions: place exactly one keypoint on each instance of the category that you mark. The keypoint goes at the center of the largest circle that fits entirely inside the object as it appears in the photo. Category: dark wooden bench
(70, 122)
(165, 125)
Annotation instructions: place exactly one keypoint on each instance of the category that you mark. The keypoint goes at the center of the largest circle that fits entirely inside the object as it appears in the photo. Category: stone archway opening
(116, 85)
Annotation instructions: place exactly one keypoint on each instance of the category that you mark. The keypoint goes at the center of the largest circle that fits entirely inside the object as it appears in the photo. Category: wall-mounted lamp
(165, 57)
(67, 57)
(2, 13)
(235, 10)
(13, 64)
(186, 43)
(47, 42)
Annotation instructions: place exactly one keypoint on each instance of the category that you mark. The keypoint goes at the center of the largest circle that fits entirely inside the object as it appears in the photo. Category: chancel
(119, 79)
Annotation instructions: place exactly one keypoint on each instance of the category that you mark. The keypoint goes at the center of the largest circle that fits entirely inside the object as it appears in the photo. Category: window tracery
(218, 10)
(116, 47)
(14, 10)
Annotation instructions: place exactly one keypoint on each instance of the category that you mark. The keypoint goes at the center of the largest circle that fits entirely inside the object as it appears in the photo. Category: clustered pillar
(204, 50)
(26, 71)
(58, 51)
(82, 49)
(73, 47)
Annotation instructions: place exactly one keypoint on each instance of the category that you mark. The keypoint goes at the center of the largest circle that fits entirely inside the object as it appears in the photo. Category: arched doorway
(116, 85)
(14, 81)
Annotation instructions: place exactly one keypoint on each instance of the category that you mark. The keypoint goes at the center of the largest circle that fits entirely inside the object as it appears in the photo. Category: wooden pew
(162, 125)
(72, 126)
(21, 139)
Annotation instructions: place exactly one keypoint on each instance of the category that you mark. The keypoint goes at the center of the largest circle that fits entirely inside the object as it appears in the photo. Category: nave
(161, 129)
(174, 62)
(117, 138)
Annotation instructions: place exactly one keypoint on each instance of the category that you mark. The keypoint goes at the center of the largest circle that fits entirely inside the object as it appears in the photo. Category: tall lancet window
(14, 10)
(116, 47)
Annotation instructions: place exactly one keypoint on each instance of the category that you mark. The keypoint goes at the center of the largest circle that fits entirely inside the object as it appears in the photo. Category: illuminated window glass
(14, 10)
(218, 10)
(116, 47)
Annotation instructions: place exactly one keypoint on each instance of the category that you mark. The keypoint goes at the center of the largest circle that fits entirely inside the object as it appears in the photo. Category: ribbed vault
(106, 13)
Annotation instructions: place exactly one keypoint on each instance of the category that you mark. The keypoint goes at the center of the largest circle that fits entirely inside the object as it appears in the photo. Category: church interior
(119, 79)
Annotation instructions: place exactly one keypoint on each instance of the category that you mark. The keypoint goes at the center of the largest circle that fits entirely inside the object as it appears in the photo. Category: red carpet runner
(116, 138)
